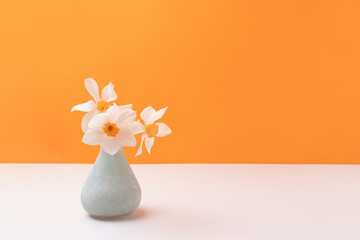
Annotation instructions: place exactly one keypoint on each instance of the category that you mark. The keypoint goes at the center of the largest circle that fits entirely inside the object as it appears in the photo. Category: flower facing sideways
(150, 129)
(112, 129)
(98, 105)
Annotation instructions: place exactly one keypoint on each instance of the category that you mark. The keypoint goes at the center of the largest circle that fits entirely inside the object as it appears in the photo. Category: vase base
(110, 217)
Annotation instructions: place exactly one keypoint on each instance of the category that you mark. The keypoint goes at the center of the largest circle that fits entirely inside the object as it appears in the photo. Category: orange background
(245, 81)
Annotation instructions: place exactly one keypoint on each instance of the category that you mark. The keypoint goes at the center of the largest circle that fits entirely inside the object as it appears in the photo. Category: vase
(111, 189)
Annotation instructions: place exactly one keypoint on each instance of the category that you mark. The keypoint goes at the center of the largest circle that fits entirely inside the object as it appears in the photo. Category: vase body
(111, 188)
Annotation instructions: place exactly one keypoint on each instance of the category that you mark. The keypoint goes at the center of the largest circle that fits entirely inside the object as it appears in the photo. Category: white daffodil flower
(150, 129)
(98, 105)
(112, 129)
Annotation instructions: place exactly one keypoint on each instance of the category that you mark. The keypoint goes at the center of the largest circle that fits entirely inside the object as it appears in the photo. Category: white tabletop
(232, 201)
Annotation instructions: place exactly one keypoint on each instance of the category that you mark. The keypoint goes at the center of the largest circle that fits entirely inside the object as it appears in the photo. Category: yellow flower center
(151, 130)
(111, 129)
(102, 106)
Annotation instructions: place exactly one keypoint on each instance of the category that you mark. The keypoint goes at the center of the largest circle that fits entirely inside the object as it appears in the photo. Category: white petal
(110, 145)
(113, 112)
(98, 121)
(122, 107)
(126, 138)
(93, 137)
(125, 116)
(128, 106)
(86, 119)
(149, 142)
(85, 107)
(140, 148)
(157, 115)
(136, 127)
(92, 88)
(108, 94)
(147, 114)
(163, 130)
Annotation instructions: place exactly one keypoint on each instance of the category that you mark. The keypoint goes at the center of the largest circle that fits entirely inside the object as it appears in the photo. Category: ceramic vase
(111, 189)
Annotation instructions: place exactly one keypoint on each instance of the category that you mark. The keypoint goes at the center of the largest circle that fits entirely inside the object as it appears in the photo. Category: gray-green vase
(111, 189)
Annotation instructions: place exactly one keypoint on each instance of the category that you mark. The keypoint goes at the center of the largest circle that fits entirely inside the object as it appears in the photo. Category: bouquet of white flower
(112, 126)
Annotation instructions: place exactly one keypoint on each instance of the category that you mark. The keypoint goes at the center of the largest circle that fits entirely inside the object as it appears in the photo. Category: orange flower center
(151, 130)
(102, 106)
(111, 129)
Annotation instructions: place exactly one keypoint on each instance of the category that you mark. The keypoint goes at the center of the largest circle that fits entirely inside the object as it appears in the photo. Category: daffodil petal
(126, 138)
(149, 142)
(110, 145)
(108, 93)
(128, 106)
(92, 88)
(141, 144)
(113, 112)
(86, 119)
(125, 116)
(98, 121)
(123, 107)
(136, 127)
(93, 137)
(84, 107)
(147, 114)
(163, 130)
(157, 115)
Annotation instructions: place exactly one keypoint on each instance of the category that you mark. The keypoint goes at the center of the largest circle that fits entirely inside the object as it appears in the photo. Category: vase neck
(120, 152)
(117, 157)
